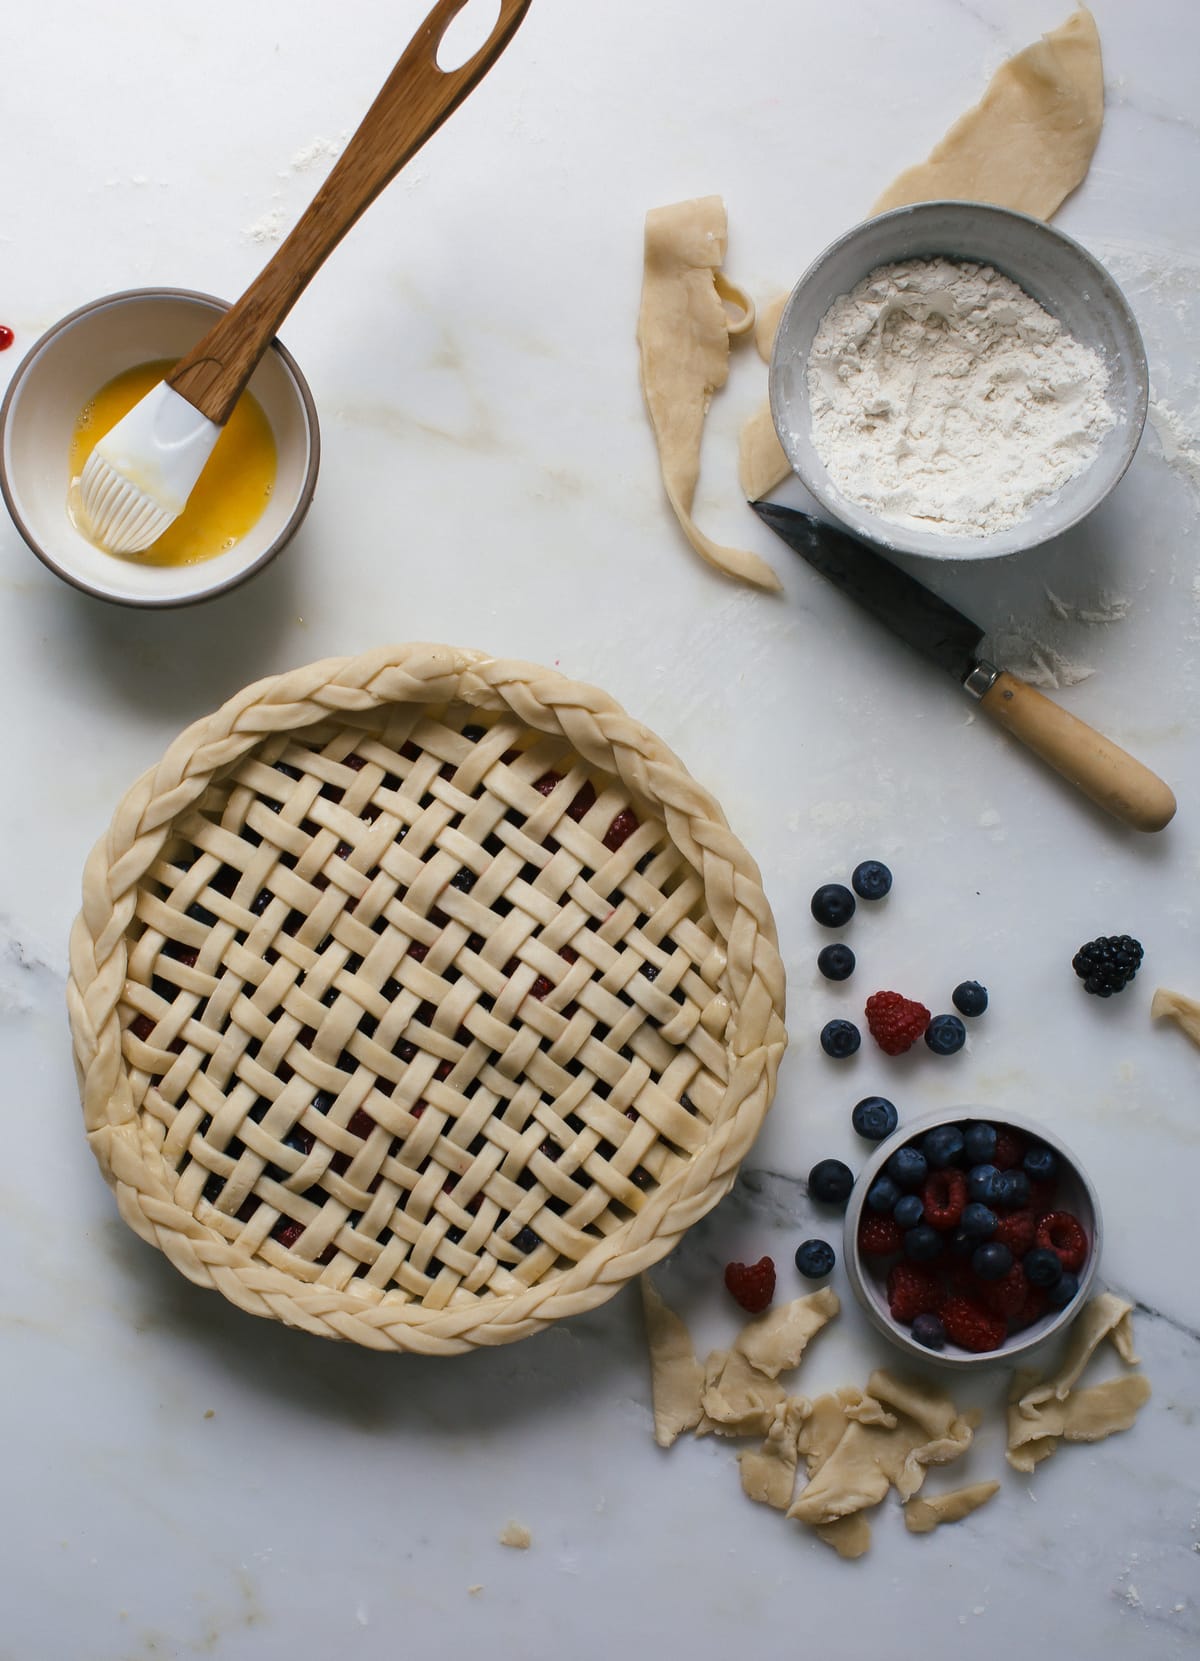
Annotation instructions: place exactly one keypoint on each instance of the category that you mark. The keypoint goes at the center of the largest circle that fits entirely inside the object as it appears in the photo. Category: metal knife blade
(899, 601)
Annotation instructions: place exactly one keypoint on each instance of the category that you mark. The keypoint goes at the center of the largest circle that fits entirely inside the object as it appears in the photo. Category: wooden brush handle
(1100, 768)
(414, 101)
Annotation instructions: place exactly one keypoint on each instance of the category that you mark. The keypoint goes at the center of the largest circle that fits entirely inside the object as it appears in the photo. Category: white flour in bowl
(946, 398)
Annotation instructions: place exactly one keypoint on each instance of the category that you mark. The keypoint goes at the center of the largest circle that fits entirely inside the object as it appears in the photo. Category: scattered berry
(929, 1330)
(883, 1195)
(830, 1182)
(943, 1146)
(1014, 1190)
(1017, 1231)
(1009, 1150)
(1107, 964)
(978, 1221)
(922, 1244)
(836, 962)
(1040, 1164)
(1007, 1295)
(970, 1327)
(907, 1167)
(874, 1118)
(895, 1022)
(945, 1034)
(908, 1210)
(983, 1184)
(1063, 1291)
(879, 1235)
(840, 1039)
(751, 1284)
(992, 1260)
(944, 1194)
(1062, 1233)
(815, 1259)
(979, 1141)
(969, 998)
(1043, 1267)
(871, 880)
(913, 1291)
(833, 905)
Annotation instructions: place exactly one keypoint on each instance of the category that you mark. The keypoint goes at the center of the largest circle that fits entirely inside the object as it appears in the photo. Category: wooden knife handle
(412, 104)
(1100, 768)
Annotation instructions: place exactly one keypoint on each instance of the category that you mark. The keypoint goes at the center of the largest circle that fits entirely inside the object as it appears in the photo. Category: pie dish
(420, 999)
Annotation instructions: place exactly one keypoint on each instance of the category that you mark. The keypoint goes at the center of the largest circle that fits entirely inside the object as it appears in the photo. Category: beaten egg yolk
(230, 493)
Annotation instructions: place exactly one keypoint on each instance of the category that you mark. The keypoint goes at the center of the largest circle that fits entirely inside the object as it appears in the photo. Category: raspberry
(751, 1284)
(1064, 1234)
(1010, 1149)
(972, 1328)
(1037, 1302)
(1017, 1231)
(1006, 1296)
(878, 1235)
(913, 1291)
(1041, 1195)
(1107, 965)
(943, 1194)
(895, 1022)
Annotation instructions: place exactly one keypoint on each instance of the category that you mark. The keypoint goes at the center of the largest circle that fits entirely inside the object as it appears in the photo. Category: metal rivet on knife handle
(1112, 778)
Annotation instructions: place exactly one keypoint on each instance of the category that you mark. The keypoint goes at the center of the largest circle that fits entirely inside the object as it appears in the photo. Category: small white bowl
(1059, 274)
(65, 368)
(1077, 1195)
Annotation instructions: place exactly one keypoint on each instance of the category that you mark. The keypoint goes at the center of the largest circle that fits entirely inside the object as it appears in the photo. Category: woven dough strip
(317, 1000)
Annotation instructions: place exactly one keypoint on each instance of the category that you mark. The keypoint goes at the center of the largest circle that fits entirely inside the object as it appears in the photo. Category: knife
(1113, 779)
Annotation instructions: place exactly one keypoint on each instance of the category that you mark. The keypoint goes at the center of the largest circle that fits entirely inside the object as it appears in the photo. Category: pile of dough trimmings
(857, 1444)
(1026, 145)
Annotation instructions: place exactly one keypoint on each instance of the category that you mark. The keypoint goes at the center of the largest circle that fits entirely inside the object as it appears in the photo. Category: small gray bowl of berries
(970, 1239)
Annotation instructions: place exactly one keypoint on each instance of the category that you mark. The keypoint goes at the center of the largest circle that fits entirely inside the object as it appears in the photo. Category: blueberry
(830, 1181)
(979, 1141)
(928, 1330)
(1040, 1164)
(833, 905)
(908, 1210)
(943, 1146)
(871, 880)
(882, 1195)
(1043, 1267)
(840, 1039)
(874, 1118)
(922, 1244)
(1063, 1291)
(992, 1261)
(815, 1259)
(945, 1034)
(969, 998)
(1014, 1190)
(961, 1243)
(979, 1221)
(836, 962)
(908, 1167)
(983, 1184)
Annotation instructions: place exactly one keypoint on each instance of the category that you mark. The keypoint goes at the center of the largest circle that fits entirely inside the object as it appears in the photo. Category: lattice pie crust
(420, 999)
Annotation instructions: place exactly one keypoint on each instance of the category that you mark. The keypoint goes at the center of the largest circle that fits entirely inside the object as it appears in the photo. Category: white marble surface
(489, 479)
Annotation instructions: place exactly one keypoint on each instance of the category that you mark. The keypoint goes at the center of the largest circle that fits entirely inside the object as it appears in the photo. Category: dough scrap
(1043, 1411)
(1177, 1007)
(922, 1516)
(683, 337)
(516, 1535)
(676, 1377)
(1029, 141)
(769, 1471)
(738, 1400)
(775, 1342)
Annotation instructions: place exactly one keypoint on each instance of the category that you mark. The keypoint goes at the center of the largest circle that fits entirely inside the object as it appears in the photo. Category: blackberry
(969, 998)
(815, 1259)
(871, 880)
(945, 1034)
(840, 1039)
(1107, 964)
(830, 1182)
(833, 905)
(836, 962)
(874, 1118)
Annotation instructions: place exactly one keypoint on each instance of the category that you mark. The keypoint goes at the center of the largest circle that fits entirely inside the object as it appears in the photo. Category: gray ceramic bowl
(65, 368)
(1076, 1194)
(1057, 272)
